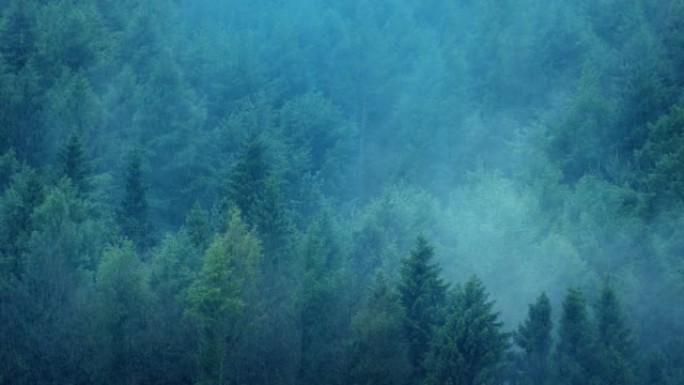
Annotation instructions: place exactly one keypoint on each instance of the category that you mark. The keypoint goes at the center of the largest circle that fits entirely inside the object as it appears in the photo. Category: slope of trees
(223, 192)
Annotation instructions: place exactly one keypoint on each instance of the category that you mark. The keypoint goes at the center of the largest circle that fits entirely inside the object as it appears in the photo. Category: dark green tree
(18, 34)
(423, 294)
(25, 193)
(574, 353)
(197, 227)
(321, 323)
(378, 355)
(73, 164)
(249, 179)
(534, 339)
(614, 345)
(133, 209)
(255, 191)
(121, 318)
(470, 348)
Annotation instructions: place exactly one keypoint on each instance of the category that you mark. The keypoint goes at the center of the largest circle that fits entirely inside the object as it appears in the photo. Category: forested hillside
(354, 192)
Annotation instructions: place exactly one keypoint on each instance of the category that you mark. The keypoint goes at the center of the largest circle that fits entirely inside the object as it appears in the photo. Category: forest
(386, 192)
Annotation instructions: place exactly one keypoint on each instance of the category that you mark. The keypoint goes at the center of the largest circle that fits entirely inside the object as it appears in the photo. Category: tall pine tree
(133, 209)
(613, 340)
(534, 340)
(470, 348)
(423, 294)
(73, 164)
(574, 361)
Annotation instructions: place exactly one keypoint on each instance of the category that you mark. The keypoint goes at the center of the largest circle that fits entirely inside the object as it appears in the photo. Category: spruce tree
(422, 295)
(470, 348)
(221, 297)
(378, 357)
(249, 179)
(73, 164)
(534, 340)
(133, 209)
(614, 344)
(574, 361)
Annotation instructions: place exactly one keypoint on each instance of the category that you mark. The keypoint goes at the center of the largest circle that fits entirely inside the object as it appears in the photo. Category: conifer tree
(574, 361)
(249, 179)
(470, 348)
(133, 209)
(378, 357)
(197, 227)
(220, 297)
(422, 295)
(25, 193)
(534, 339)
(613, 340)
(121, 317)
(73, 164)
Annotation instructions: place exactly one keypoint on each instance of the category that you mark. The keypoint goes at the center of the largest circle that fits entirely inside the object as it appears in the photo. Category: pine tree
(197, 227)
(378, 357)
(249, 179)
(534, 339)
(614, 344)
(73, 164)
(219, 299)
(574, 361)
(133, 209)
(121, 317)
(25, 193)
(470, 348)
(255, 191)
(422, 295)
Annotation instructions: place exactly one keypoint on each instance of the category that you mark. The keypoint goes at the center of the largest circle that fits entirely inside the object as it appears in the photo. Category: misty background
(277, 160)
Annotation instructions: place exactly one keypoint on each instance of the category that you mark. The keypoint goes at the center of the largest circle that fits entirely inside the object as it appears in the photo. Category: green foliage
(133, 213)
(378, 355)
(575, 362)
(249, 179)
(470, 347)
(423, 295)
(535, 341)
(540, 142)
(661, 155)
(121, 314)
(219, 299)
(73, 164)
(197, 227)
(615, 356)
(24, 194)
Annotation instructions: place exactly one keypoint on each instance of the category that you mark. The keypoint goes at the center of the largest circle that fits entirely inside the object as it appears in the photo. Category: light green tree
(221, 297)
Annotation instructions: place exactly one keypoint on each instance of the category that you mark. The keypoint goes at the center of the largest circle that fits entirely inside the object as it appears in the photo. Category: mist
(269, 192)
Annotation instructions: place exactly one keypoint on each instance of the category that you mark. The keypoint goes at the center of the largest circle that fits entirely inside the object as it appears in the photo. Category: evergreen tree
(220, 299)
(121, 315)
(133, 209)
(25, 193)
(422, 295)
(534, 339)
(574, 361)
(321, 322)
(614, 345)
(249, 180)
(73, 164)
(18, 34)
(378, 356)
(197, 227)
(470, 348)
(255, 191)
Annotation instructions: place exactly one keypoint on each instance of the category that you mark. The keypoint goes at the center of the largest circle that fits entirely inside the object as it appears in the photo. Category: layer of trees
(225, 192)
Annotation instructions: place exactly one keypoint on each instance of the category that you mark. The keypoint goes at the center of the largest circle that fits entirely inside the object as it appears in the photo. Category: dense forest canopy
(355, 192)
